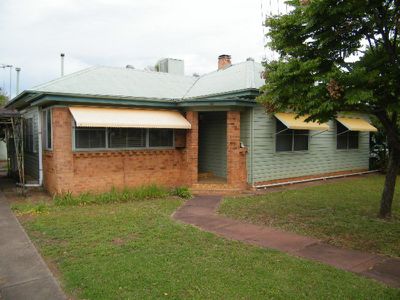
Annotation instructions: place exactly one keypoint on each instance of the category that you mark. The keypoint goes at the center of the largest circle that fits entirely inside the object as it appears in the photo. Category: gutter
(265, 186)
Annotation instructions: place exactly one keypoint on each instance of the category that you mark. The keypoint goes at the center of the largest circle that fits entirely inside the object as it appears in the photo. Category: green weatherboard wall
(212, 143)
(264, 163)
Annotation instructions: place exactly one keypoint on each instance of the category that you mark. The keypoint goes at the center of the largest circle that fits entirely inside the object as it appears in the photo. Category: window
(161, 137)
(289, 139)
(122, 138)
(126, 137)
(90, 138)
(28, 135)
(47, 129)
(346, 139)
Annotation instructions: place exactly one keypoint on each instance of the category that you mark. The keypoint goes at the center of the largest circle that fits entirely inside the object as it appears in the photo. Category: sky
(120, 32)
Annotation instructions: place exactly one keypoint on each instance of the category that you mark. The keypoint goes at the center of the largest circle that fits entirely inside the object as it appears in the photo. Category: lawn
(343, 213)
(135, 250)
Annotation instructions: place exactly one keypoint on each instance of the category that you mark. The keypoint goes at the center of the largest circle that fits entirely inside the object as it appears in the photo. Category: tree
(335, 56)
(3, 98)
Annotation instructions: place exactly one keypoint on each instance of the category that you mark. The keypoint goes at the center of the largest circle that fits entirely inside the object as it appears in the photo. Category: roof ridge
(146, 71)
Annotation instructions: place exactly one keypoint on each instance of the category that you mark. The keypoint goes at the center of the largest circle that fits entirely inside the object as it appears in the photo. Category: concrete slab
(201, 212)
(23, 273)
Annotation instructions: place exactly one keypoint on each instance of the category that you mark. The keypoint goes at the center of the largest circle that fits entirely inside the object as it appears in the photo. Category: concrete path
(201, 212)
(23, 273)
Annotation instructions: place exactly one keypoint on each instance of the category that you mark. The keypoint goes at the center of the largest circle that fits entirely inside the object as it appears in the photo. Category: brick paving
(201, 212)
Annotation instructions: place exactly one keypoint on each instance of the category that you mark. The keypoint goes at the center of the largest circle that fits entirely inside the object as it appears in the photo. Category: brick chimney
(224, 61)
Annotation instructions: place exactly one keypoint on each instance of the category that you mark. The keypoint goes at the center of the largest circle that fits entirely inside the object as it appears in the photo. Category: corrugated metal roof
(125, 82)
(242, 76)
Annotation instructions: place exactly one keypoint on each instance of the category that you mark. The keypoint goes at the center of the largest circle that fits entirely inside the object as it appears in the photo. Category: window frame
(292, 134)
(346, 133)
(45, 114)
(107, 148)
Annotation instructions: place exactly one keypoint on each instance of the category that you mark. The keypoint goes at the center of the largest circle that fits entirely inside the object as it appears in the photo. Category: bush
(182, 192)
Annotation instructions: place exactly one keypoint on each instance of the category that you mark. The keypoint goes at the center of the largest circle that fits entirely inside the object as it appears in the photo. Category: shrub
(182, 192)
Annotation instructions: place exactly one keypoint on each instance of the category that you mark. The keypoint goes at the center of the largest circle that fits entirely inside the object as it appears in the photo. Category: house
(109, 127)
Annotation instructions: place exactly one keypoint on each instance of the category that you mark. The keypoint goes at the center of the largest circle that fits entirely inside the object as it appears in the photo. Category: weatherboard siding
(322, 156)
(31, 159)
(212, 143)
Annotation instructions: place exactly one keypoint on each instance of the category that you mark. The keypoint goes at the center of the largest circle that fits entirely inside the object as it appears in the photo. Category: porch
(220, 161)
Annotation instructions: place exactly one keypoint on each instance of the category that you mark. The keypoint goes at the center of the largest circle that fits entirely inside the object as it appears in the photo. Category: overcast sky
(120, 32)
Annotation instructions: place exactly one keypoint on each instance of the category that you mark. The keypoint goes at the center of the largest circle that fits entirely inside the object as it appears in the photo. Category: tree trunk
(390, 183)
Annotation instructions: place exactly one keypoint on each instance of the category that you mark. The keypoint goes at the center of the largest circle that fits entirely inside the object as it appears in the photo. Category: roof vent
(250, 59)
(130, 67)
(171, 66)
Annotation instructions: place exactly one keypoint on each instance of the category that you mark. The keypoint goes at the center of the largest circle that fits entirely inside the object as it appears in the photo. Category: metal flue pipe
(17, 84)
(62, 64)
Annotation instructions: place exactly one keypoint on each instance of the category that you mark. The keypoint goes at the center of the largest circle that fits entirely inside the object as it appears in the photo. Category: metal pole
(10, 81)
(62, 64)
(17, 84)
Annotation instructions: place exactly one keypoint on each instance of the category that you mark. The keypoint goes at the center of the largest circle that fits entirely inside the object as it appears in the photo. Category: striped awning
(356, 124)
(128, 118)
(291, 122)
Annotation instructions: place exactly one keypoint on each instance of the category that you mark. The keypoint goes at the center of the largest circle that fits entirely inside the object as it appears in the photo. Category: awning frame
(85, 116)
(286, 119)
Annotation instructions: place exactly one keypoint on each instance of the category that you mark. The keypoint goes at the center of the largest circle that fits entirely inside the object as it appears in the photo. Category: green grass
(342, 213)
(114, 196)
(136, 251)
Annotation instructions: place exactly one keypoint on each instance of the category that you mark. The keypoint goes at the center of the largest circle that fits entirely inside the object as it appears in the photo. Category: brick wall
(236, 156)
(99, 171)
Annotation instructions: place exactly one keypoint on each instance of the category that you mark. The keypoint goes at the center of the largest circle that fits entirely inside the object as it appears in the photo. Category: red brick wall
(192, 147)
(76, 172)
(236, 156)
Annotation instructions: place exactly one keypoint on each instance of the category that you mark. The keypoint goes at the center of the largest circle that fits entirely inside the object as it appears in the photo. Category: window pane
(136, 137)
(341, 136)
(90, 138)
(117, 137)
(300, 140)
(353, 139)
(284, 142)
(284, 137)
(342, 141)
(126, 137)
(48, 129)
(161, 137)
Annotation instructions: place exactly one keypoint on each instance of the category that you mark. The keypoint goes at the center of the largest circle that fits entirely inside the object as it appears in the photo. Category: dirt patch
(119, 241)
(14, 194)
